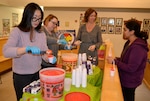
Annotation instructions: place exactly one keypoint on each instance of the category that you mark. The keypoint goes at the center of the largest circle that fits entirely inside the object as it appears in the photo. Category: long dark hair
(25, 24)
(135, 25)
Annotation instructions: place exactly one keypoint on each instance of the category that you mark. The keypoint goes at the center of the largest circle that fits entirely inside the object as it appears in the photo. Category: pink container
(52, 83)
(69, 61)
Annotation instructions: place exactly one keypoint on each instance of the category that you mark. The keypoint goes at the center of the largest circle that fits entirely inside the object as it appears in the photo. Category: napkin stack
(32, 88)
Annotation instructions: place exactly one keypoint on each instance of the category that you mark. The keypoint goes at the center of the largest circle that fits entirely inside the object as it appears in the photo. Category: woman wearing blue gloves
(50, 24)
(24, 46)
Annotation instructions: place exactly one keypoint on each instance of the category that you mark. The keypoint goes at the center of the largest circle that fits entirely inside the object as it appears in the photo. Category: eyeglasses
(54, 23)
(34, 19)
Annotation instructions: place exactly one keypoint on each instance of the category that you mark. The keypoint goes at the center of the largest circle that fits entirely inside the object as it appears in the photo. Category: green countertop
(93, 89)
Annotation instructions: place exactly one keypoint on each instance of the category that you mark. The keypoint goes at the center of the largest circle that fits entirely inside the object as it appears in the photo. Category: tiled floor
(7, 91)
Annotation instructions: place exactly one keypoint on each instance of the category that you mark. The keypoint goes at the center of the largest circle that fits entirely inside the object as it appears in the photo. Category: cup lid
(77, 96)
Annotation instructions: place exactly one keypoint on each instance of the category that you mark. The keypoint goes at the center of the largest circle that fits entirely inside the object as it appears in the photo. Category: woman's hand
(110, 60)
(92, 48)
(45, 56)
(77, 43)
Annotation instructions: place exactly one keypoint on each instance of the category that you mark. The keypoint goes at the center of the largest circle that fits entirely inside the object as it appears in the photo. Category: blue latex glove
(33, 49)
(52, 60)
(62, 41)
(68, 47)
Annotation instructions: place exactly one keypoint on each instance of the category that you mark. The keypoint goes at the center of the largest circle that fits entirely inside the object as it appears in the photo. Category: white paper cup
(50, 59)
(112, 73)
(67, 84)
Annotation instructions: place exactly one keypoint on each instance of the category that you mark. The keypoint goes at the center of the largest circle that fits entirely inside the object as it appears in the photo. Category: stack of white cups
(84, 57)
(73, 76)
(79, 59)
(84, 78)
(79, 76)
(81, 71)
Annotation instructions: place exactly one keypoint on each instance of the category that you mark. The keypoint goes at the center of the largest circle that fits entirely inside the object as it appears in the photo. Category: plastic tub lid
(77, 96)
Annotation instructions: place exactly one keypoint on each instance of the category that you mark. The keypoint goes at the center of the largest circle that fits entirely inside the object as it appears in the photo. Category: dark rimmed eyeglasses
(54, 23)
(34, 19)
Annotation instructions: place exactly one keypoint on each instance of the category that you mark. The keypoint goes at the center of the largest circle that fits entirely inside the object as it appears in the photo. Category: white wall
(82, 3)
(6, 13)
(71, 16)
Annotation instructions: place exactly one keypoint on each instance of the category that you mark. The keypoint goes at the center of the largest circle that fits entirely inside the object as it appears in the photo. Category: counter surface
(111, 87)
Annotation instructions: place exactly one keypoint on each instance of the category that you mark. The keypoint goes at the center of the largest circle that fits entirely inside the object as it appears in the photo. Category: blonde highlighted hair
(49, 18)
